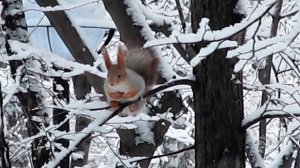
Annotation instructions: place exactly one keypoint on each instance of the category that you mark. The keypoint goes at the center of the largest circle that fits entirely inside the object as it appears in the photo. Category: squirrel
(133, 75)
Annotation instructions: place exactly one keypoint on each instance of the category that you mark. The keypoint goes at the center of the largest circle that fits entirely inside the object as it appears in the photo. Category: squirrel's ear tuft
(106, 57)
(121, 57)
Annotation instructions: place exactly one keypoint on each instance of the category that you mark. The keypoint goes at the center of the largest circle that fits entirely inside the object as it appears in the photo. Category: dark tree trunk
(264, 76)
(132, 37)
(71, 38)
(130, 33)
(60, 115)
(81, 88)
(297, 160)
(218, 99)
(82, 84)
(16, 28)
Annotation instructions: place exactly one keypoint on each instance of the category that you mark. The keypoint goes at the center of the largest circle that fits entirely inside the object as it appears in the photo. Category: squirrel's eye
(119, 76)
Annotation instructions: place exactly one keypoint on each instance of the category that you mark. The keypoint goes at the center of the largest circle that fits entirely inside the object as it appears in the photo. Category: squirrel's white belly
(133, 82)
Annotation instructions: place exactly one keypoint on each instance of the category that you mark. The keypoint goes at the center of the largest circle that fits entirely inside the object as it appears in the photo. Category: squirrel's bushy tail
(143, 62)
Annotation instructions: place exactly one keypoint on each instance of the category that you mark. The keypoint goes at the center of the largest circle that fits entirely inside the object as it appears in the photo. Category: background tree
(218, 98)
(29, 93)
(202, 51)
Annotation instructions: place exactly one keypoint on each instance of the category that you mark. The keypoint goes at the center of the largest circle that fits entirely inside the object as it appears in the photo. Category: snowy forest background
(227, 95)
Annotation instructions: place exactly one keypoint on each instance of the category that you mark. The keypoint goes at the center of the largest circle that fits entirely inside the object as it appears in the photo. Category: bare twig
(108, 39)
(122, 106)
(56, 8)
(151, 92)
(181, 15)
(265, 116)
(112, 150)
(237, 29)
(168, 154)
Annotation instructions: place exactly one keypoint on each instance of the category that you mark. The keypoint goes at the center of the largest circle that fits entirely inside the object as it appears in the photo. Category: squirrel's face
(116, 76)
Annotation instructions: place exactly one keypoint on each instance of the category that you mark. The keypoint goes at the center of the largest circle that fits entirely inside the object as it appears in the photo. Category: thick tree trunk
(16, 28)
(218, 99)
(81, 88)
(75, 44)
(60, 115)
(129, 31)
(131, 35)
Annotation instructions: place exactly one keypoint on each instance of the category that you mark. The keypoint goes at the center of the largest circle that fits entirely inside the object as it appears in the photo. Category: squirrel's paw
(114, 104)
(115, 95)
(129, 94)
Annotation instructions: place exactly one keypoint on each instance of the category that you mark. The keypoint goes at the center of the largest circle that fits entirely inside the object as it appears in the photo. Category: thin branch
(116, 112)
(289, 14)
(149, 93)
(152, 92)
(222, 34)
(81, 26)
(265, 116)
(187, 52)
(179, 8)
(56, 8)
(252, 152)
(49, 39)
(168, 154)
(112, 150)
(108, 39)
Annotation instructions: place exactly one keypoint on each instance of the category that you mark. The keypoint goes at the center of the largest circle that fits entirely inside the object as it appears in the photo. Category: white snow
(88, 16)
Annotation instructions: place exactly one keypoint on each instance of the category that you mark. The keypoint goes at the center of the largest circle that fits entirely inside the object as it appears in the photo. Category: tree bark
(60, 115)
(75, 44)
(264, 76)
(81, 88)
(218, 101)
(130, 33)
(297, 160)
(16, 28)
(131, 36)
(81, 53)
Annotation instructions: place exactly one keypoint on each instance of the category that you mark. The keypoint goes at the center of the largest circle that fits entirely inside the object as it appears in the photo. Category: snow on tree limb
(216, 35)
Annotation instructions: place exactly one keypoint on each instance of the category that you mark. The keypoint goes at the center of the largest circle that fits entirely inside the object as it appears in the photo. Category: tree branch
(197, 38)
(181, 15)
(266, 116)
(152, 92)
(122, 106)
(168, 154)
(70, 36)
(108, 39)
